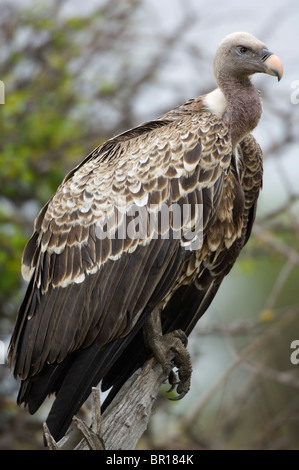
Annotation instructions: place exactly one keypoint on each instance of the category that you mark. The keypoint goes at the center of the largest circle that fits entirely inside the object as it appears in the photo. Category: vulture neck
(243, 107)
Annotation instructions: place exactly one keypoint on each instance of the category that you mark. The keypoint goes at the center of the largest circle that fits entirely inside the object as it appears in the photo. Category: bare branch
(51, 443)
(126, 418)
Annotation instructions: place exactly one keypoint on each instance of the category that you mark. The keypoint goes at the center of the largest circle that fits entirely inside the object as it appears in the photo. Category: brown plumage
(97, 270)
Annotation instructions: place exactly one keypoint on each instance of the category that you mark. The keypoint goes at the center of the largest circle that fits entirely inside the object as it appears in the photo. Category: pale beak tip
(274, 65)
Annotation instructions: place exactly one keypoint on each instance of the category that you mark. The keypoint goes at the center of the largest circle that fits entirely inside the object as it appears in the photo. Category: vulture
(132, 248)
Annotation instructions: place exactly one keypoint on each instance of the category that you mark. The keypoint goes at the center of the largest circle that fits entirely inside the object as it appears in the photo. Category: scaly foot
(170, 351)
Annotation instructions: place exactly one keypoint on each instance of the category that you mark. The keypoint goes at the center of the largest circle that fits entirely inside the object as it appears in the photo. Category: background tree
(73, 78)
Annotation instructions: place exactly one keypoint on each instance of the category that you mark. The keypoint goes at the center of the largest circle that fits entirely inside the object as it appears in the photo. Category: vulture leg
(170, 351)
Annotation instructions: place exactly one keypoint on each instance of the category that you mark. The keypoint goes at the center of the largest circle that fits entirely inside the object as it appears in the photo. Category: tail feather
(73, 383)
(84, 373)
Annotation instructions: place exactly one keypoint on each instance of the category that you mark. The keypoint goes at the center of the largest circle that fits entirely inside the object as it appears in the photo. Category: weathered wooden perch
(126, 418)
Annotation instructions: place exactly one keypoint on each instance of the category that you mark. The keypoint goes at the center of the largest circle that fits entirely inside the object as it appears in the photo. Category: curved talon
(173, 385)
(178, 397)
(172, 379)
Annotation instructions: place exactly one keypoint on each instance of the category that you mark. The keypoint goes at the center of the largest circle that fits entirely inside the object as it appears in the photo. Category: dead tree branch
(126, 418)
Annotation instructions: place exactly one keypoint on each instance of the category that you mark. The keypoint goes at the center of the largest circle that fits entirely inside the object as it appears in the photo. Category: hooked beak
(272, 63)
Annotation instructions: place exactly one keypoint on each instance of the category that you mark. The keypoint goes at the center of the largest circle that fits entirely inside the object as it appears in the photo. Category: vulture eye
(242, 50)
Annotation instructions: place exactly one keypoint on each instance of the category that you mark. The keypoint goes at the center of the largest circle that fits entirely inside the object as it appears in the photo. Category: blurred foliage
(70, 82)
(35, 121)
(42, 64)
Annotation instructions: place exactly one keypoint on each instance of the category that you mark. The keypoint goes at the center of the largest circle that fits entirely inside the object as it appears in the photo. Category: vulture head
(240, 55)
